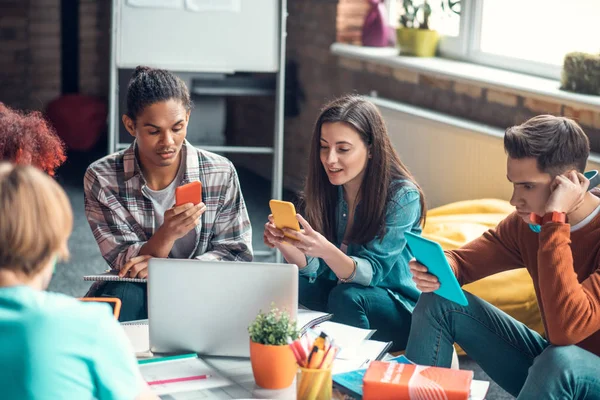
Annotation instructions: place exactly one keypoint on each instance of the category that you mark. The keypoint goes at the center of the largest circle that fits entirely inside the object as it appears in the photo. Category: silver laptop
(206, 306)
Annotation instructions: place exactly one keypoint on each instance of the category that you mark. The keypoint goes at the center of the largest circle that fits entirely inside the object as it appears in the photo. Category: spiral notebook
(112, 276)
(138, 334)
(308, 318)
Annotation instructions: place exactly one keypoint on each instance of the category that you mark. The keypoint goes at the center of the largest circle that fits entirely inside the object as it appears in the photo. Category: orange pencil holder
(314, 384)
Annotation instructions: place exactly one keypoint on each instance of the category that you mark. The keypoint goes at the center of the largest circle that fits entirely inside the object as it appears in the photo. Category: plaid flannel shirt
(122, 218)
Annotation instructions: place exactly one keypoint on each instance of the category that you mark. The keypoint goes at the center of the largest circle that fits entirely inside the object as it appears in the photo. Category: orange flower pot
(274, 367)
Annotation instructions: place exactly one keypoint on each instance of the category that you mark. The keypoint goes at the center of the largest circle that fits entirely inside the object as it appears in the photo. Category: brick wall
(493, 107)
(313, 26)
(94, 47)
(311, 30)
(30, 51)
(30, 76)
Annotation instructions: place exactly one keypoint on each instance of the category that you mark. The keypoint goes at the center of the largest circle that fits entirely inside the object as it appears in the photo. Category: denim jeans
(134, 298)
(360, 306)
(517, 358)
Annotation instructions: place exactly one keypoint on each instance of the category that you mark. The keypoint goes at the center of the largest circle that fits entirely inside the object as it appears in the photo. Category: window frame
(467, 45)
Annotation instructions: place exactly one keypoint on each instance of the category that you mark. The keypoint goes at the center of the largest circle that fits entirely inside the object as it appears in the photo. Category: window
(530, 36)
(443, 20)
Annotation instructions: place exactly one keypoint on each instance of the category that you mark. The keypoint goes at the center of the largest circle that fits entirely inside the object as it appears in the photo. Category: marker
(168, 358)
(328, 357)
(176, 380)
(316, 358)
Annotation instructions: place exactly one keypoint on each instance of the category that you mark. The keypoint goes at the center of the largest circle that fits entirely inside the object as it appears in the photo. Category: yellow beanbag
(456, 224)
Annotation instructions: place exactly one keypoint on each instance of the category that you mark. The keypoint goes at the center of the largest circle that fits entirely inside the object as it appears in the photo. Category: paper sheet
(213, 5)
(156, 3)
(308, 318)
(349, 338)
(139, 336)
(178, 370)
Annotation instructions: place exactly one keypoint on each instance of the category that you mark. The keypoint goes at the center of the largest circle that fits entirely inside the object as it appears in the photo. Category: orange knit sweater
(564, 266)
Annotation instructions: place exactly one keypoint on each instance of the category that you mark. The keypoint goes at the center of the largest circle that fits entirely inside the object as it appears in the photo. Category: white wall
(452, 159)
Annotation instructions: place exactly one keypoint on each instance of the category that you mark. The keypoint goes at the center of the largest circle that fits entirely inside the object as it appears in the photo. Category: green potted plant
(273, 362)
(414, 35)
(581, 73)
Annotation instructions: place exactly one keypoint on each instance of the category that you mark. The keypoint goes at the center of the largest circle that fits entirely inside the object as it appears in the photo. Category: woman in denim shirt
(359, 200)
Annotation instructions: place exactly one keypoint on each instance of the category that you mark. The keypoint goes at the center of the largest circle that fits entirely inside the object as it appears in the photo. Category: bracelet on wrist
(352, 275)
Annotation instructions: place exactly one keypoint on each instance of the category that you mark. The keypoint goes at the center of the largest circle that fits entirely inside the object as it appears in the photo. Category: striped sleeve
(117, 241)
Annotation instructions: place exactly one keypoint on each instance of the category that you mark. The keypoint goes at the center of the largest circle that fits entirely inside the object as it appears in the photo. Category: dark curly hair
(149, 85)
(27, 138)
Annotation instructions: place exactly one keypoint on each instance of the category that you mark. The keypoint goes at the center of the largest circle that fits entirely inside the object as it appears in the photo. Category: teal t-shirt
(55, 347)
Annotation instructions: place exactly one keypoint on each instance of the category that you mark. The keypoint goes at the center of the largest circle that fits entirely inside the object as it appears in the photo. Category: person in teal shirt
(359, 200)
(52, 346)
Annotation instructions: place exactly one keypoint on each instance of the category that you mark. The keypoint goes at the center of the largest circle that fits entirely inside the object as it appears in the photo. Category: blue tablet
(431, 255)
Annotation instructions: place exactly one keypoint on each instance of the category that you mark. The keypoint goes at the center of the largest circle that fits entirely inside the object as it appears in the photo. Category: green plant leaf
(454, 6)
(273, 328)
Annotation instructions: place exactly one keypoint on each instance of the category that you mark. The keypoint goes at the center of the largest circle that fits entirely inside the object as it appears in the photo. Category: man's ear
(129, 124)
(187, 116)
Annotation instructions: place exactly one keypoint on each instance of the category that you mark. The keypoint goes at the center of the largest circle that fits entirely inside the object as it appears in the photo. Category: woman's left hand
(309, 241)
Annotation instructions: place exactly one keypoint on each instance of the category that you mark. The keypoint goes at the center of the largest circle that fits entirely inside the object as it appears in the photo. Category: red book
(385, 381)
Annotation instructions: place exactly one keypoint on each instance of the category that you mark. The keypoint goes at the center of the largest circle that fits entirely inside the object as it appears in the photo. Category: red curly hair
(29, 139)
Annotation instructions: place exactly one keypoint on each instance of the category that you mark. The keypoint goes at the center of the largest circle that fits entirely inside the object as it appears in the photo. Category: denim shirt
(380, 262)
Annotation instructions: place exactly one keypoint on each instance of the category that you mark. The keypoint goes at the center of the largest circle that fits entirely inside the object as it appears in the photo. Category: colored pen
(176, 380)
(167, 358)
(328, 357)
(316, 357)
(320, 341)
(295, 350)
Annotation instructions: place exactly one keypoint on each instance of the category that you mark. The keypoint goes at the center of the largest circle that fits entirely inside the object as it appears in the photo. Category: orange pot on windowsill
(273, 367)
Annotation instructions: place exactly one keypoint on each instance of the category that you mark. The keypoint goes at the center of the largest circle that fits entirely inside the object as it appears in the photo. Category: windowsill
(483, 76)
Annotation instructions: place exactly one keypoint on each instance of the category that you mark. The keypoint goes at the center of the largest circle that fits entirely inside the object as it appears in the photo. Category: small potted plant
(581, 73)
(414, 35)
(273, 363)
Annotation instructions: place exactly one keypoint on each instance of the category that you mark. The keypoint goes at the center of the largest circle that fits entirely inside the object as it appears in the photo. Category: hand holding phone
(186, 213)
(284, 215)
(190, 193)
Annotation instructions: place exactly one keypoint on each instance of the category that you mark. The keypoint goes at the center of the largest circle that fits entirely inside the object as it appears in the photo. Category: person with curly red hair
(27, 138)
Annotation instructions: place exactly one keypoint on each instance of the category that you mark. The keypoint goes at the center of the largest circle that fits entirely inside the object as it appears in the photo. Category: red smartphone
(190, 193)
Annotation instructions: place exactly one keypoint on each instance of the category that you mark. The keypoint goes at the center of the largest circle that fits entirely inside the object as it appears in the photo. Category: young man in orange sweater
(546, 158)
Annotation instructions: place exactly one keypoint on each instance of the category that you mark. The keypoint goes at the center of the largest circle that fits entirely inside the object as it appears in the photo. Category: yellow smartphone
(284, 214)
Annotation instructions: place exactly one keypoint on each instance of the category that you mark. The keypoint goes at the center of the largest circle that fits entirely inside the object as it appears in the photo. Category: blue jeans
(134, 298)
(360, 306)
(520, 360)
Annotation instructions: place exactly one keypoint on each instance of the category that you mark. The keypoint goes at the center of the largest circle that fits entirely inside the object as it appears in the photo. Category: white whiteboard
(245, 38)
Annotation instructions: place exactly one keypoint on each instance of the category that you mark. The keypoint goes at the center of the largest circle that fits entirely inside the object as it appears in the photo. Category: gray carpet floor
(86, 259)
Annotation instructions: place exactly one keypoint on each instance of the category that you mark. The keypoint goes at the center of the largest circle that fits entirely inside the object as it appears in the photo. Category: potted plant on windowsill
(273, 363)
(581, 73)
(414, 36)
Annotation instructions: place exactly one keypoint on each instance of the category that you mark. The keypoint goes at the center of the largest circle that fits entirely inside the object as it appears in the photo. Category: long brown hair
(384, 169)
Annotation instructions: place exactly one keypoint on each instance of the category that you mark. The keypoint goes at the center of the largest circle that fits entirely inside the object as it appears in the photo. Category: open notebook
(307, 319)
(112, 276)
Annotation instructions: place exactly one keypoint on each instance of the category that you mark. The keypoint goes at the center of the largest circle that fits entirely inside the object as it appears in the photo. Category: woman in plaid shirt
(130, 195)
